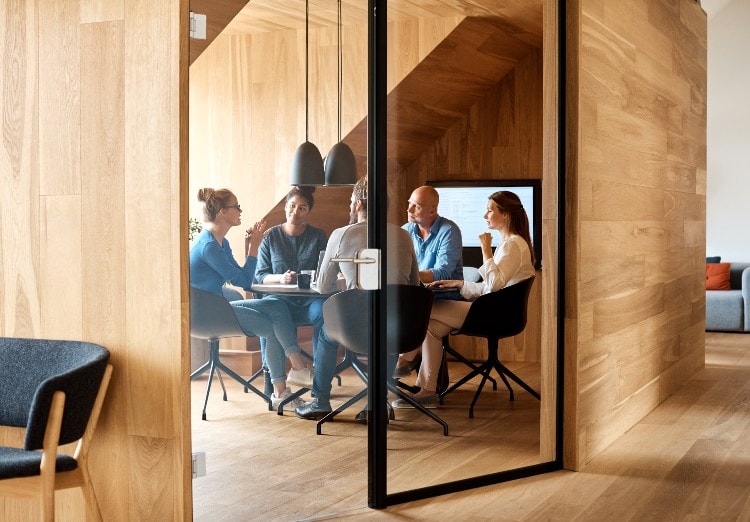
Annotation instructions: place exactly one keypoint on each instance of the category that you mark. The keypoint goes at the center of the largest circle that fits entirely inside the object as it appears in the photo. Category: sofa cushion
(713, 259)
(717, 276)
(724, 311)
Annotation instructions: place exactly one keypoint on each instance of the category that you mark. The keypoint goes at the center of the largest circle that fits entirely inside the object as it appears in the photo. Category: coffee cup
(303, 280)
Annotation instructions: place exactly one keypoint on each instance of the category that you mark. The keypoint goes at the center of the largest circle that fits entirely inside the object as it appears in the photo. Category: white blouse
(510, 264)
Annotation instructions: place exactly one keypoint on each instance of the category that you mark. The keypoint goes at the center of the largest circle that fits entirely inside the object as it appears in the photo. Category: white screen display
(467, 205)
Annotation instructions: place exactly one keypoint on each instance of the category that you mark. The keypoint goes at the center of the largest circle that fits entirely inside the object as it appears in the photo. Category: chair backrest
(499, 314)
(212, 317)
(32, 370)
(409, 310)
(346, 316)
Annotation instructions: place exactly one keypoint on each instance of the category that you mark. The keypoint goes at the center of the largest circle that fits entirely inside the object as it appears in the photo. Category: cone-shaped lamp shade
(341, 166)
(307, 166)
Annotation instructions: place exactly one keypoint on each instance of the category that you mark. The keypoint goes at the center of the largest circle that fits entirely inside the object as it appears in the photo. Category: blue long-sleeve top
(441, 252)
(279, 252)
(212, 265)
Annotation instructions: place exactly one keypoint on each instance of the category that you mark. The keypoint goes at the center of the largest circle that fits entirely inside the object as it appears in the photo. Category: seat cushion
(16, 462)
(724, 310)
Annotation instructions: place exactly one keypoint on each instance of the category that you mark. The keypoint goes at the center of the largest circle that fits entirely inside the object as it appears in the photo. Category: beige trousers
(445, 317)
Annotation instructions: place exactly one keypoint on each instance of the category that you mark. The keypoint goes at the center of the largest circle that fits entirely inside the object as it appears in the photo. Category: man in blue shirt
(437, 240)
(438, 245)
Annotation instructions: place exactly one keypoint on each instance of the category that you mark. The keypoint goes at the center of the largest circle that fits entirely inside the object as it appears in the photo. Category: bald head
(423, 204)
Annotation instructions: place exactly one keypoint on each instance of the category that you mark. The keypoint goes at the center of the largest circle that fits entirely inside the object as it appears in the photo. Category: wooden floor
(687, 460)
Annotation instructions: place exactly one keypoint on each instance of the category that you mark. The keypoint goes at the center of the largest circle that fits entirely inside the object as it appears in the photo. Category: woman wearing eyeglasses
(212, 265)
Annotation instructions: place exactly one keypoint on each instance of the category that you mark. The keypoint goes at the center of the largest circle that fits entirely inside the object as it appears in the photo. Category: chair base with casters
(212, 318)
(215, 366)
(494, 316)
(449, 350)
(351, 360)
(393, 386)
(346, 318)
(484, 370)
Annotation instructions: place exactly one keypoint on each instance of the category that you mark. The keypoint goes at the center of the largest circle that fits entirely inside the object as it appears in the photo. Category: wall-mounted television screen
(465, 203)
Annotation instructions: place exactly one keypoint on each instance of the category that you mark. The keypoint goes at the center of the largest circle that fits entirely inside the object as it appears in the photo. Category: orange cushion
(717, 276)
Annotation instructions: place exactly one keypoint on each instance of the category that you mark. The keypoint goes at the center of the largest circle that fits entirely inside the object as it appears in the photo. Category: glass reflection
(467, 107)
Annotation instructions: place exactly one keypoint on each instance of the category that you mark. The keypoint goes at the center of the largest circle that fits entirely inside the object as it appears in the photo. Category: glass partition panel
(466, 174)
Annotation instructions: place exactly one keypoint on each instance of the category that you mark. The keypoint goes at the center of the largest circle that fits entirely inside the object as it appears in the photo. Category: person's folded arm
(228, 268)
(263, 268)
(501, 268)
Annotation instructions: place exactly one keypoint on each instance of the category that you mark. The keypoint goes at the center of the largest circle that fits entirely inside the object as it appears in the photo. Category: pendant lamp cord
(340, 71)
(307, 65)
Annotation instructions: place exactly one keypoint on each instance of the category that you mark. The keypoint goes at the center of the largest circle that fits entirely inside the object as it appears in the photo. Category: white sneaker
(303, 377)
(289, 406)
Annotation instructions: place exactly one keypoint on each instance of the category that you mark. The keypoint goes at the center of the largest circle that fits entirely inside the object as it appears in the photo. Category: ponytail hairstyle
(518, 221)
(305, 191)
(213, 201)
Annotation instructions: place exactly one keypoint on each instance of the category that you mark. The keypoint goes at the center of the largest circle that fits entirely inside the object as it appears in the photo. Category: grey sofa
(729, 310)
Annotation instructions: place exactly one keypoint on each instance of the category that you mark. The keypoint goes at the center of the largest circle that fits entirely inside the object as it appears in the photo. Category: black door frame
(378, 496)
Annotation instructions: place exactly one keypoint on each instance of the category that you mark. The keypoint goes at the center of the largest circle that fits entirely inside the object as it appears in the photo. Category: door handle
(367, 264)
(354, 260)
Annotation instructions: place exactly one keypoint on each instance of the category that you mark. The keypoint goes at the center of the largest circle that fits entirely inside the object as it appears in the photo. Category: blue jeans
(269, 320)
(324, 359)
(309, 310)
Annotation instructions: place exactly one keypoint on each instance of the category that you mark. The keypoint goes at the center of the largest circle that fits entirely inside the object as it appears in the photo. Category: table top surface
(286, 289)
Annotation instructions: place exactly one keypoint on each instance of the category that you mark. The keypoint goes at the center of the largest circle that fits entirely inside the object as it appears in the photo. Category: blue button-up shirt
(442, 250)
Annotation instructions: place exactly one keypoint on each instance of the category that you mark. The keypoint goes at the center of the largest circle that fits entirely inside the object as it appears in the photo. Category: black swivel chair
(212, 318)
(495, 316)
(470, 274)
(55, 390)
(347, 315)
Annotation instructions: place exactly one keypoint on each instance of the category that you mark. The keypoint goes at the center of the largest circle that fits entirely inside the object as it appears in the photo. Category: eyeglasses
(234, 206)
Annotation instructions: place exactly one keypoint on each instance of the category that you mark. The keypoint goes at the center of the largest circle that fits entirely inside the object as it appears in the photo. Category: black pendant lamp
(340, 165)
(307, 164)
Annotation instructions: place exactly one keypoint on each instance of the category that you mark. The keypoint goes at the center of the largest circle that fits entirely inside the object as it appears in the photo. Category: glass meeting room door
(461, 97)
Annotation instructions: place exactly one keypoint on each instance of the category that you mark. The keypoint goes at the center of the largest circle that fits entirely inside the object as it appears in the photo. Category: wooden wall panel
(59, 108)
(549, 285)
(247, 122)
(103, 126)
(93, 11)
(638, 221)
(92, 247)
(61, 282)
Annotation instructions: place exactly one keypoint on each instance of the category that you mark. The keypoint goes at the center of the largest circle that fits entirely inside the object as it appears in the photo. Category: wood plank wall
(246, 123)
(93, 234)
(636, 228)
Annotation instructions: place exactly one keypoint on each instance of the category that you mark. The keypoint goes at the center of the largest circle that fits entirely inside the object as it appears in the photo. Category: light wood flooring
(689, 459)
